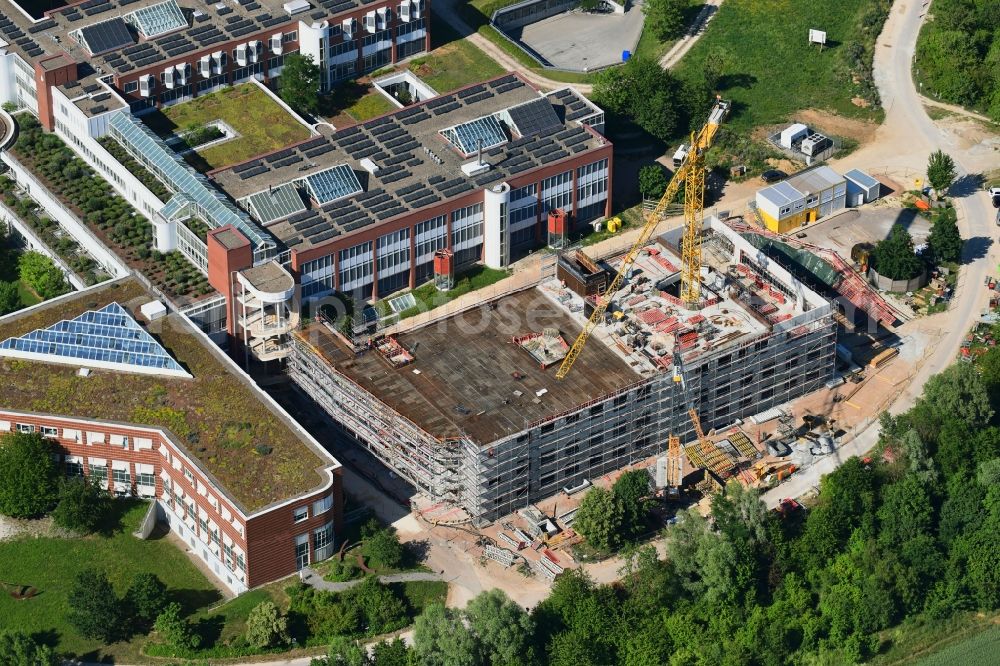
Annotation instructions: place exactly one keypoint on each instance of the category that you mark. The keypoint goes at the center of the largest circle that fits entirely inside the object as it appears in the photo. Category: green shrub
(82, 505)
(28, 475)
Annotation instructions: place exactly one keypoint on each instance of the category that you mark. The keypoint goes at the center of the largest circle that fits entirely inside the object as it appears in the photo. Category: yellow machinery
(692, 173)
(614, 224)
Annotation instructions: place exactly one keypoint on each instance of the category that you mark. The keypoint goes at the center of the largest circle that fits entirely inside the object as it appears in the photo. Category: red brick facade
(244, 551)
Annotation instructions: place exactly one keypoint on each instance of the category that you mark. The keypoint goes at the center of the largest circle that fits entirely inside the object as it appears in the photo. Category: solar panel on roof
(484, 132)
(107, 338)
(534, 117)
(275, 203)
(447, 108)
(333, 183)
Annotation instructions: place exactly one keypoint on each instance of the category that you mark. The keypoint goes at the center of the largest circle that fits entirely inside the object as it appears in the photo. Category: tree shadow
(343, 96)
(975, 248)
(210, 629)
(48, 637)
(193, 600)
(416, 551)
(966, 185)
(729, 81)
(111, 520)
(904, 218)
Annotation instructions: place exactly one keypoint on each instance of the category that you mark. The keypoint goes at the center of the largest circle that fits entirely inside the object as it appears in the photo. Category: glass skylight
(467, 137)
(333, 183)
(275, 204)
(158, 19)
(212, 205)
(107, 338)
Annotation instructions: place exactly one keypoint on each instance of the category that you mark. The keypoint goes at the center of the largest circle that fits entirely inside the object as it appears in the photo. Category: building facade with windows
(251, 494)
(161, 52)
(475, 171)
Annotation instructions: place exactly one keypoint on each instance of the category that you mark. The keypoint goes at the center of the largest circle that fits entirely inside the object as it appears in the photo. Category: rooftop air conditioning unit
(369, 166)
(350, 27)
(814, 144)
(276, 43)
(475, 168)
(146, 84)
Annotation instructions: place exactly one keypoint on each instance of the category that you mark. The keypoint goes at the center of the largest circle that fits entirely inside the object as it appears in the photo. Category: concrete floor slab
(864, 225)
(581, 42)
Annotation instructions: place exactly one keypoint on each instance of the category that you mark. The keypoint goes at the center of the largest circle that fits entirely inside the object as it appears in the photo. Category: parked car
(773, 176)
(995, 195)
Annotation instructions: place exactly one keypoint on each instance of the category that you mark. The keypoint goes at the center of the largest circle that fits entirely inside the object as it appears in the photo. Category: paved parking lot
(580, 42)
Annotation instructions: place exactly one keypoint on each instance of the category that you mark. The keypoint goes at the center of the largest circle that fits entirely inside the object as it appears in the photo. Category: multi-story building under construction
(469, 410)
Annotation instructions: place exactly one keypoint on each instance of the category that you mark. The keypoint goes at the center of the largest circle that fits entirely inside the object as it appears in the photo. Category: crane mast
(692, 174)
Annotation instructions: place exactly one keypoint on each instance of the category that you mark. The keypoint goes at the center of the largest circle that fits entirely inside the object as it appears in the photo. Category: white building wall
(8, 88)
(496, 233)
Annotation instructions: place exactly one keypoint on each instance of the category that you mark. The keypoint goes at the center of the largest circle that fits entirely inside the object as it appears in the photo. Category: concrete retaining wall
(149, 521)
(898, 286)
(531, 11)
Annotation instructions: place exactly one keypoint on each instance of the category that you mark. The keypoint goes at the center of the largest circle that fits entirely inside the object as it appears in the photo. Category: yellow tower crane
(691, 172)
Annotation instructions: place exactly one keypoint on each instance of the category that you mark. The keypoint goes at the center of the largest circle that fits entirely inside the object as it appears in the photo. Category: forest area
(958, 54)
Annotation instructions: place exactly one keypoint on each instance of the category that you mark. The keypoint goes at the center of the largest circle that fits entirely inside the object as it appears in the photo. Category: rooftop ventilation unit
(369, 166)
(475, 168)
(814, 144)
(296, 7)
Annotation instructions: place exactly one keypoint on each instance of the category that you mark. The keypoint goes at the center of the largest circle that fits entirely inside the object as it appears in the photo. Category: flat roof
(861, 178)
(218, 416)
(268, 277)
(417, 166)
(469, 379)
(229, 238)
(780, 193)
(815, 180)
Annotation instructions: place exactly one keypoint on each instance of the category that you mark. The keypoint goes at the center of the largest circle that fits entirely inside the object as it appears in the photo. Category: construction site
(470, 410)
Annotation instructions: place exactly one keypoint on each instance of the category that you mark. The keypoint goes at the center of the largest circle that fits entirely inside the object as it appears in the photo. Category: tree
(665, 18)
(28, 475)
(440, 638)
(631, 490)
(383, 548)
(343, 652)
(19, 649)
(503, 628)
(41, 274)
(94, 608)
(10, 300)
(940, 171)
(175, 629)
(945, 241)
(959, 392)
(382, 608)
(82, 505)
(146, 598)
(298, 85)
(652, 181)
(600, 518)
(394, 653)
(894, 258)
(646, 93)
(266, 626)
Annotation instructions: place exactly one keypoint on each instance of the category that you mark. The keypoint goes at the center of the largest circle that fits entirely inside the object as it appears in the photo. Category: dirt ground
(833, 125)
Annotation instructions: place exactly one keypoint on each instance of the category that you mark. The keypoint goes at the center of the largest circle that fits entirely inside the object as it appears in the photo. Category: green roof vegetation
(216, 416)
(454, 65)
(262, 123)
(92, 199)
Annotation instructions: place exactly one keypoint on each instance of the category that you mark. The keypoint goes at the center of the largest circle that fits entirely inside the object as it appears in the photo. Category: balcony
(268, 324)
(269, 349)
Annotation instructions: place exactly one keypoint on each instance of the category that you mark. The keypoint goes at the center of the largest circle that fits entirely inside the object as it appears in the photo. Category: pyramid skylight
(108, 338)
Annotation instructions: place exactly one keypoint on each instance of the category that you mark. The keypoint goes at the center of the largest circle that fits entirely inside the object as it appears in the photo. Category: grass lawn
(421, 593)
(369, 106)
(50, 564)
(771, 71)
(428, 297)
(263, 125)
(9, 273)
(979, 650)
(454, 65)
